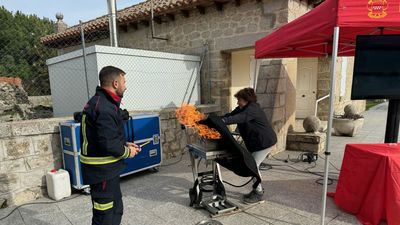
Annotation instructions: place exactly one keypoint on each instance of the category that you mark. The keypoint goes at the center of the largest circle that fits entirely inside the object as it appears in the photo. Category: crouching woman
(255, 130)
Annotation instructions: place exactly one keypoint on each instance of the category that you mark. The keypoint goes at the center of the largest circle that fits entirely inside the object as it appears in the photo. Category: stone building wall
(346, 99)
(29, 149)
(276, 96)
(297, 8)
(323, 86)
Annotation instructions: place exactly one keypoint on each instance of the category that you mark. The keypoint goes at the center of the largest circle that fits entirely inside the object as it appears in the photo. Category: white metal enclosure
(155, 80)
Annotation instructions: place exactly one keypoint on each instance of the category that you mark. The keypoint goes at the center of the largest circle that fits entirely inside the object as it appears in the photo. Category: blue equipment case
(140, 129)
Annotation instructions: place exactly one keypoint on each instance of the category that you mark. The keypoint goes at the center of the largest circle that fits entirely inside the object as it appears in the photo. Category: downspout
(152, 25)
(112, 21)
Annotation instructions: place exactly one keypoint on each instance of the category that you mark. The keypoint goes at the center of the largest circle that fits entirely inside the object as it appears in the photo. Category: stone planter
(347, 127)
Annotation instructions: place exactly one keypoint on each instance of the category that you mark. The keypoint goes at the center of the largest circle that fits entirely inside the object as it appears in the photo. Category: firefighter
(103, 146)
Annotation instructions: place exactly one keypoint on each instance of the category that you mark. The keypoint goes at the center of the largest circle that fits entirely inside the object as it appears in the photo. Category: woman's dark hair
(246, 94)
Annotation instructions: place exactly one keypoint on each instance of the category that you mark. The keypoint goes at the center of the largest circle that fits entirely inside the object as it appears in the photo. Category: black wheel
(155, 169)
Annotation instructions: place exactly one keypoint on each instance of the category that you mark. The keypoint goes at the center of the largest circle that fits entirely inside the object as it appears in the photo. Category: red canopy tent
(311, 35)
(330, 30)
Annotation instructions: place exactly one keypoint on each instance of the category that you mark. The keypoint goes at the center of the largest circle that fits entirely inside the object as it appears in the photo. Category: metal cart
(217, 202)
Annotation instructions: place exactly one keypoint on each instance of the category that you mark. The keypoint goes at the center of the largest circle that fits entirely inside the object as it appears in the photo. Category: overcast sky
(73, 10)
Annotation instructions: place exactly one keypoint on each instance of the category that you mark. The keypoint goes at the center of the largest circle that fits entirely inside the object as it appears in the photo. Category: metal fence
(150, 83)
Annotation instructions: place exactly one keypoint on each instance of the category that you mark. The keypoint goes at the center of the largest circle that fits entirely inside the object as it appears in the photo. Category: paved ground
(162, 197)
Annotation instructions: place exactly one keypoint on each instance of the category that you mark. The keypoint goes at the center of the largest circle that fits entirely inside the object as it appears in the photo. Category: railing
(318, 100)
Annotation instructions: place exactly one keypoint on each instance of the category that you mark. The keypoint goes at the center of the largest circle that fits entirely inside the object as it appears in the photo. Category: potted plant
(349, 123)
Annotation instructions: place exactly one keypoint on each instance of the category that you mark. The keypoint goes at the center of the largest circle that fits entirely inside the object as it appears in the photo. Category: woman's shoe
(253, 197)
(249, 194)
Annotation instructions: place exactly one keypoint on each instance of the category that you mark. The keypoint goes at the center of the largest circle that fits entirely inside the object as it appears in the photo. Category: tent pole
(330, 116)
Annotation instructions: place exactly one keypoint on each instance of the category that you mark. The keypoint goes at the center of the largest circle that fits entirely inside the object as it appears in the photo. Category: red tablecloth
(369, 183)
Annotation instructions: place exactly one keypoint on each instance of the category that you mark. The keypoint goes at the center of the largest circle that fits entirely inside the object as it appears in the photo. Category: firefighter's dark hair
(108, 74)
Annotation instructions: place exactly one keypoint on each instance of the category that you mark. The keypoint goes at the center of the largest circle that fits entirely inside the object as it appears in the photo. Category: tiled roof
(130, 14)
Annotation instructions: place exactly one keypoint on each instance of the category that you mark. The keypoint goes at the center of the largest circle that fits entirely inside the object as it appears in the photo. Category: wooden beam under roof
(170, 16)
(145, 23)
(219, 5)
(124, 27)
(237, 2)
(157, 19)
(134, 25)
(201, 9)
(185, 13)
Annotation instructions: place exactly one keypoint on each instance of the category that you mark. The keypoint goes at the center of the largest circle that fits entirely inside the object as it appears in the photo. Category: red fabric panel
(393, 190)
(369, 183)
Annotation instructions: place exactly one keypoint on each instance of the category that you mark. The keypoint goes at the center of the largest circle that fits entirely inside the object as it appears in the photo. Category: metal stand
(392, 122)
(217, 202)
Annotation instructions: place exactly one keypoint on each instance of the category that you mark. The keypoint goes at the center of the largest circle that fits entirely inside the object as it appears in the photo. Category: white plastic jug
(58, 184)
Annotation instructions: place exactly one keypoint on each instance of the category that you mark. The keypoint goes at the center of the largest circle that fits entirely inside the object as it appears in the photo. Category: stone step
(306, 142)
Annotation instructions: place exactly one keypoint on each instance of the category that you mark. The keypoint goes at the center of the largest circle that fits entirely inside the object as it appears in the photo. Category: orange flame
(189, 116)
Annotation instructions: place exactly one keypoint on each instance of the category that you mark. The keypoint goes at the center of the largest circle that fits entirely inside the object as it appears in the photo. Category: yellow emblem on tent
(377, 9)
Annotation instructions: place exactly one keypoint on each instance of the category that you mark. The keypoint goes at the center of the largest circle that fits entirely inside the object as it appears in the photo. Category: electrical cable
(288, 159)
(336, 168)
(305, 171)
(265, 166)
(198, 163)
(209, 178)
(37, 203)
(238, 186)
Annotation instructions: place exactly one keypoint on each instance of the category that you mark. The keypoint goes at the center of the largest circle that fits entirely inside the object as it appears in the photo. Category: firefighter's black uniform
(103, 151)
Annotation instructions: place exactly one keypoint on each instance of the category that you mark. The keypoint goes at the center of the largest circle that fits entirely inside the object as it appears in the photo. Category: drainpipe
(112, 21)
(152, 25)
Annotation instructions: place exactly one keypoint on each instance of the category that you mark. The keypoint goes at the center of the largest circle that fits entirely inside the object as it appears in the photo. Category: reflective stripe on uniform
(102, 207)
(85, 142)
(98, 160)
(103, 160)
(126, 153)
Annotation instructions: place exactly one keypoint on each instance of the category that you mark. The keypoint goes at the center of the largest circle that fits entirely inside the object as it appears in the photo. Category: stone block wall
(306, 142)
(346, 99)
(276, 96)
(40, 100)
(323, 86)
(29, 149)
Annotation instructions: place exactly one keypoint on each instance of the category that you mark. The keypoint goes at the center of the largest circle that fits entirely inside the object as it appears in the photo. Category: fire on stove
(190, 117)
(197, 133)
